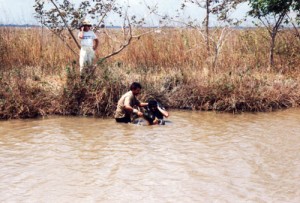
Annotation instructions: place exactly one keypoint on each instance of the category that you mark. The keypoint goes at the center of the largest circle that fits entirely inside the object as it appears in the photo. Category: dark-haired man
(155, 113)
(127, 104)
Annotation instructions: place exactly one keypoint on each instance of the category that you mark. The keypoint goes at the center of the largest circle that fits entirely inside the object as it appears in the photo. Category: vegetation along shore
(39, 74)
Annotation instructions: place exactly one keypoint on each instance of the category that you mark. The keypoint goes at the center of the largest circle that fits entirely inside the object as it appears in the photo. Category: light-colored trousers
(87, 55)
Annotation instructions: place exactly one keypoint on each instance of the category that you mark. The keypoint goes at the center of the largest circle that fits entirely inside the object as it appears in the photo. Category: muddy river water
(195, 157)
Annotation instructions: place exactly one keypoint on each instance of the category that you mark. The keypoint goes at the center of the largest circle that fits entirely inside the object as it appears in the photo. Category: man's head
(86, 24)
(135, 87)
(152, 104)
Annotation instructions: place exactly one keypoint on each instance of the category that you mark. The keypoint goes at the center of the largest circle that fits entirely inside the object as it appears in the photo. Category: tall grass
(39, 74)
(21, 47)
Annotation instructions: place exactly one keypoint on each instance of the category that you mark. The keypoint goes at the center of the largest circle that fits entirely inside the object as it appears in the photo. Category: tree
(61, 15)
(220, 8)
(272, 13)
(296, 20)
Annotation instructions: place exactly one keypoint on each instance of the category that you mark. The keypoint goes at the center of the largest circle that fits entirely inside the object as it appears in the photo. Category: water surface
(195, 157)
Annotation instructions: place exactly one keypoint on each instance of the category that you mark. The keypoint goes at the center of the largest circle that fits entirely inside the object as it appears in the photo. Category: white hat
(86, 22)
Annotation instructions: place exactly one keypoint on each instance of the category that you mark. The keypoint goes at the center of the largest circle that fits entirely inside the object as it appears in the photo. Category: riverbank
(26, 94)
(173, 66)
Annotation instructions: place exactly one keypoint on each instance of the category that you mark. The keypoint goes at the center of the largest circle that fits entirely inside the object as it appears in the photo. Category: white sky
(22, 11)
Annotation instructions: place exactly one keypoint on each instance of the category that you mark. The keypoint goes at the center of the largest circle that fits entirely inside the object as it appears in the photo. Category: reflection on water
(196, 157)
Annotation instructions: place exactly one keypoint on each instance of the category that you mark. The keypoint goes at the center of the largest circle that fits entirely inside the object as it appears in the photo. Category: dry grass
(39, 74)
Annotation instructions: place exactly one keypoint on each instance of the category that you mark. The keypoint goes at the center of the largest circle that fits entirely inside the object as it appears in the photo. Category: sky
(22, 11)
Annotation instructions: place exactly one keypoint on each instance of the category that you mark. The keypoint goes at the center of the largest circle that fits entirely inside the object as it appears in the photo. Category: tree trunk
(272, 47)
(207, 25)
(273, 34)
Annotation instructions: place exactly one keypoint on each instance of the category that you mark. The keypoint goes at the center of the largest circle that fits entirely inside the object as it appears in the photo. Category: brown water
(196, 157)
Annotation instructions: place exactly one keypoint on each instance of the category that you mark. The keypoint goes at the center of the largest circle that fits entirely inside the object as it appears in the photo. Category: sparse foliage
(219, 8)
(272, 14)
(61, 15)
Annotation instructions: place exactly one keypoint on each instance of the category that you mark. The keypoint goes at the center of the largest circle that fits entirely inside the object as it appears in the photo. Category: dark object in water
(148, 116)
(151, 113)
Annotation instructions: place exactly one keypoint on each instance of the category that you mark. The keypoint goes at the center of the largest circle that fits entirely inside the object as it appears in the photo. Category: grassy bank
(39, 75)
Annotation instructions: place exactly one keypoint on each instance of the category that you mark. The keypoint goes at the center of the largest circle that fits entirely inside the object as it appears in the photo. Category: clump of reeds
(20, 99)
(90, 95)
(237, 93)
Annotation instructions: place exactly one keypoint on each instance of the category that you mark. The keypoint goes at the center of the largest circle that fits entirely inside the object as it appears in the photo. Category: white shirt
(88, 38)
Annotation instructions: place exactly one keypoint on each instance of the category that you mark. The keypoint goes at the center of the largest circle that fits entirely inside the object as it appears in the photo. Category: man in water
(155, 113)
(127, 104)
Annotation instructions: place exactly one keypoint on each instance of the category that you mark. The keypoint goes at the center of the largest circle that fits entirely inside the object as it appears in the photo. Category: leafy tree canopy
(262, 8)
(64, 12)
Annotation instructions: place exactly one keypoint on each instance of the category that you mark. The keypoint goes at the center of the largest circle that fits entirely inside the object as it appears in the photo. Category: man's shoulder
(89, 33)
(92, 33)
(128, 94)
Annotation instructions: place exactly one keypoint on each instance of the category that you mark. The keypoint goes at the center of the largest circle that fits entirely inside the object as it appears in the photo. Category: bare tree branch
(66, 24)
(295, 28)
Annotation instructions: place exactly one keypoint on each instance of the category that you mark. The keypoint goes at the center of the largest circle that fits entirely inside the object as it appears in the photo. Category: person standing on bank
(127, 103)
(89, 43)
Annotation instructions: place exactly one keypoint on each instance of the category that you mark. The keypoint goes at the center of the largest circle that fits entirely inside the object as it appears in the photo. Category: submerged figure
(127, 103)
(154, 113)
